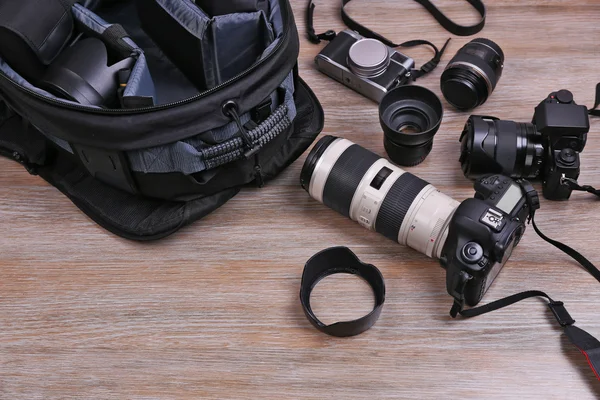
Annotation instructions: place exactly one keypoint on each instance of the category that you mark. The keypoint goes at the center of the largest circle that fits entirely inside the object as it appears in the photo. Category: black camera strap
(447, 23)
(586, 343)
(366, 32)
(595, 111)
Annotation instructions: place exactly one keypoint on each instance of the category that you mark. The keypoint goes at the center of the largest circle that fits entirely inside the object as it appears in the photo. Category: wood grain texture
(213, 312)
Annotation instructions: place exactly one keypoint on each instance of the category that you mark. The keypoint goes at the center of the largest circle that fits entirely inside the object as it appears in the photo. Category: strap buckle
(328, 35)
(561, 314)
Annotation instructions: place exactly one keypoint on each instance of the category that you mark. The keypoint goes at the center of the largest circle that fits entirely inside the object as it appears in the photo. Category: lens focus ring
(397, 203)
(345, 176)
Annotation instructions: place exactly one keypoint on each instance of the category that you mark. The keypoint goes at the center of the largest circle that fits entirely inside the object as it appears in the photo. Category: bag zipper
(285, 17)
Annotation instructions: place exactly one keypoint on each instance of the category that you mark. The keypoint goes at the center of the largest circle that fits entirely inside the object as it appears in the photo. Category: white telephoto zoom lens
(378, 195)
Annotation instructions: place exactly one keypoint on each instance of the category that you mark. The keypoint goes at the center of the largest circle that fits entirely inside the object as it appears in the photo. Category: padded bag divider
(30, 43)
(212, 7)
(207, 50)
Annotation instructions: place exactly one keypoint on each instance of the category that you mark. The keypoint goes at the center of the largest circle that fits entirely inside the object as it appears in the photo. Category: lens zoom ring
(345, 176)
(397, 203)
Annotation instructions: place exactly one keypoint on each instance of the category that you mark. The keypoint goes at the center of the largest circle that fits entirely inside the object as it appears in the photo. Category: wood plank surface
(213, 312)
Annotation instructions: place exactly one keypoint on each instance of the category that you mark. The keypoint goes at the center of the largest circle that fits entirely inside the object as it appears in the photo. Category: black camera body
(547, 149)
(564, 126)
(482, 235)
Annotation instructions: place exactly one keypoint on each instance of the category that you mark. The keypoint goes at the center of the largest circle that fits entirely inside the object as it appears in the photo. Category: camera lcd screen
(510, 199)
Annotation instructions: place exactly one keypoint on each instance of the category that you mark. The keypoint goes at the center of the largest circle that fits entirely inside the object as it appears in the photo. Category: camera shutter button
(472, 253)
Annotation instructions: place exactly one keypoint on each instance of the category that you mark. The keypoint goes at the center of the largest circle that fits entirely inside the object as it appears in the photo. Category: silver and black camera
(366, 65)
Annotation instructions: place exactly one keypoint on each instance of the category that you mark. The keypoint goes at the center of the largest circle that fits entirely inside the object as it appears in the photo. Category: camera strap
(586, 343)
(366, 32)
(595, 111)
(574, 185)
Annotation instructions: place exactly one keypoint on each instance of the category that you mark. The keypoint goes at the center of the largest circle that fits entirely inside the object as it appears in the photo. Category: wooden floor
(213, 311)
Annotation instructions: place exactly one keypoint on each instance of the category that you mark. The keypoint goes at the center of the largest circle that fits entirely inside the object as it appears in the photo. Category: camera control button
(564, 96)
(472, 253)
(568, 156)
(483, 262)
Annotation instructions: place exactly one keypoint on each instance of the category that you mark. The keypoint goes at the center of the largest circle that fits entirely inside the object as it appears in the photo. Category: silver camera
(365, 65)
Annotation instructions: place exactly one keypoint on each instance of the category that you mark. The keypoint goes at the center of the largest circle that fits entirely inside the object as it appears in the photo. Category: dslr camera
(546, 149)
(473, 240)
(365, 65)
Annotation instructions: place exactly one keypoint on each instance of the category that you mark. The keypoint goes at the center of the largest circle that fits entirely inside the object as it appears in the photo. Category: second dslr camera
(546, 149)
(365, 65)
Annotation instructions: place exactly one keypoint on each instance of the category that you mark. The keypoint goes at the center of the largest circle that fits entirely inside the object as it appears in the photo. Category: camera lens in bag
(378, 195)
(81, 74)
(410, 117)
(472, 75)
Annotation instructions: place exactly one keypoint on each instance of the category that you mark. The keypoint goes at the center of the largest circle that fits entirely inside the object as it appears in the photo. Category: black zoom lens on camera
(472, 75)
(410, 117)
(490, 145)
(547, 149)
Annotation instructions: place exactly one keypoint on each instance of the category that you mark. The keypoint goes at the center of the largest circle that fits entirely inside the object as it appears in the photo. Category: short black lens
(472, 75)
(410, 117)
(490, 146)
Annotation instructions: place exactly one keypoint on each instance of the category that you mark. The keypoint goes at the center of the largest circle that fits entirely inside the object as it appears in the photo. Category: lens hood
(410, 117)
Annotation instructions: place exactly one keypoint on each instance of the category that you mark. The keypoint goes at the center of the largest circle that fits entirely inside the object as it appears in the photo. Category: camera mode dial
(564, 96)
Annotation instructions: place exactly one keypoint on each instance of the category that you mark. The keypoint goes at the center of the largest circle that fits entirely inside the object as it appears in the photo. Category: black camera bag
(174, 152)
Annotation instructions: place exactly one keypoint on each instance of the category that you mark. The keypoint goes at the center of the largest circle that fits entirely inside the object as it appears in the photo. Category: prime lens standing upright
(472, 75)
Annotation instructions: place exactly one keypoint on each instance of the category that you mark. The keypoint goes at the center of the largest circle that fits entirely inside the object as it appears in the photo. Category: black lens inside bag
(410, 117)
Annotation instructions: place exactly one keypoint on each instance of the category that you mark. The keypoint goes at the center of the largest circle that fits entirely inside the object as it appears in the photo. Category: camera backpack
(184, 104)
